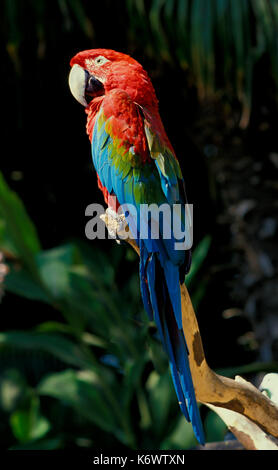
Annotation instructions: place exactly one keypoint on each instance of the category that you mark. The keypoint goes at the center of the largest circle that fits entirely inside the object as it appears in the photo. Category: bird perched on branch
(136, 164)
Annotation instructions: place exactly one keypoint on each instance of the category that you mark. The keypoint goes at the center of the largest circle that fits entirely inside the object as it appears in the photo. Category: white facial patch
(97, 61)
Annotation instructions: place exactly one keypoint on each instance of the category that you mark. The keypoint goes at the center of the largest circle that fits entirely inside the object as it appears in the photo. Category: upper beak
(84, 86)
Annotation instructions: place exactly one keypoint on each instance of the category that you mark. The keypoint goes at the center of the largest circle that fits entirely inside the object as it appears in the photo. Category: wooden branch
(210, 388)
(225, 445)
(247, 433)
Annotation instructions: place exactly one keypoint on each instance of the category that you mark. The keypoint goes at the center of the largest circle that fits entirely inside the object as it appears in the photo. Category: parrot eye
(100, 60)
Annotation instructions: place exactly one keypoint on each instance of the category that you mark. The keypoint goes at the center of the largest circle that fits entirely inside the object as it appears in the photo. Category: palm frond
(220, 41)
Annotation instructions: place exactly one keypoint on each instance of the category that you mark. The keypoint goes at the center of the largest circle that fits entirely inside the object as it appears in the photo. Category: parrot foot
(116, 224)
(118, 228)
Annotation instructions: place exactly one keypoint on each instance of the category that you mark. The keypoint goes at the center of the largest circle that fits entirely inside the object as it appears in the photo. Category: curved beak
(83, 86)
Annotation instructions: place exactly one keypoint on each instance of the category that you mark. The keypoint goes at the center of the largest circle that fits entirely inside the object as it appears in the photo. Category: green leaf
(83, 20)
(75, 279)
(199, 255)
(132, 378)
(215, 428)
(54, 326)
(57, 327)
(19, 227)
(29, 425)
(161, 398)
(54, 267)
(20, 282)
(157, 355)
(183, 32)
(81, 391)
(13, 389)
(98, 263)
(156, 25)
(6, 244)
(42, 444)
(199, 293)
(182, 437)
(197, 47)
(57, 345)
(12, 15)
(22, 229)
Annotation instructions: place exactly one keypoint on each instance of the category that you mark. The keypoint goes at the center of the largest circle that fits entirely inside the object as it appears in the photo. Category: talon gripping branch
(135, 162)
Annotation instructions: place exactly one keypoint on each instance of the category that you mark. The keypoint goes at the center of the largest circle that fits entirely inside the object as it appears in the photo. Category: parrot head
(96, 72)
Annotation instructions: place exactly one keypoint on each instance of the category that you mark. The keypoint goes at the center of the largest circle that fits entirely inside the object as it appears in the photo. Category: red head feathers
(117, 70)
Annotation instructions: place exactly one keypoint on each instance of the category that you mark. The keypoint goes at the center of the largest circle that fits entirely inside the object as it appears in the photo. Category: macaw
(136, 164)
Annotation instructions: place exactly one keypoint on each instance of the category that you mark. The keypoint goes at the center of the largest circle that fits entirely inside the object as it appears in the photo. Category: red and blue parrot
(136, 164)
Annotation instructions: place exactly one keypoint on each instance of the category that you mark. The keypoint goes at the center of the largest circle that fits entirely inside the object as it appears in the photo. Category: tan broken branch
(247, 432)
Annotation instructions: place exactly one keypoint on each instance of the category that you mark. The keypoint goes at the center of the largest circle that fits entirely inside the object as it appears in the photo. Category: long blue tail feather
(161, 297)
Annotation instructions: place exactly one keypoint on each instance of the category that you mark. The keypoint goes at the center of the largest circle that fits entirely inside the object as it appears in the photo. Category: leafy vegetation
(218, 41)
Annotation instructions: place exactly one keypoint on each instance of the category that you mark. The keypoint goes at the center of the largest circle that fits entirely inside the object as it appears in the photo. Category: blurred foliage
(113, 372)
(219, 41)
